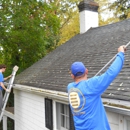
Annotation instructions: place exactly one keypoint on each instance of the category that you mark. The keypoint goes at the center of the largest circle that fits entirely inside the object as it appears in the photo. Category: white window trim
(59, 121)
(65, 115)
(54, 116)
(126, 118)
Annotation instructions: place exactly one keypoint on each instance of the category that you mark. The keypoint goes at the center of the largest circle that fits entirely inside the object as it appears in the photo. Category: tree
(70, 29)
(68, 13)
(105, 14)
(121, 9)
(29, 30)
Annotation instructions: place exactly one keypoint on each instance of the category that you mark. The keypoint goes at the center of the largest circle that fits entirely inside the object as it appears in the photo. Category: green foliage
(70, 29)
(68, 13)
(29, 29)
(105, 14)
(121, 9)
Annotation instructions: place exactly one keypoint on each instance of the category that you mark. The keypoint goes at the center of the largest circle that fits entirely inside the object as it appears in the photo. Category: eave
(55, 95)
(117, 106)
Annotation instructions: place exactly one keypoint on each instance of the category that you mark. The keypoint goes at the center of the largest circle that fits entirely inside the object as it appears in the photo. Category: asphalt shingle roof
(94, 48)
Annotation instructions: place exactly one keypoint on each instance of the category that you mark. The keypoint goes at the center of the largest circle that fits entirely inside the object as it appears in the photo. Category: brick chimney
(88, 15)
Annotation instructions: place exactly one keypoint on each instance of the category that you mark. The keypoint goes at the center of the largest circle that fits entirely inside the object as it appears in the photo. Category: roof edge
(56, 95)
(117, 110)
(117, 106)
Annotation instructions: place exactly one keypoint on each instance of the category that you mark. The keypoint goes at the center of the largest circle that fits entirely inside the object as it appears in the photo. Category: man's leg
(1, 100)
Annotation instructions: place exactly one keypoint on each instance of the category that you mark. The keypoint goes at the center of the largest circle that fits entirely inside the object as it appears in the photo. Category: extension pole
(111, 60)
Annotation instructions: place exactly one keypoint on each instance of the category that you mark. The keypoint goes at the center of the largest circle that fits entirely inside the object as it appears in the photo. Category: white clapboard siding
(29, 111)
(114, 120)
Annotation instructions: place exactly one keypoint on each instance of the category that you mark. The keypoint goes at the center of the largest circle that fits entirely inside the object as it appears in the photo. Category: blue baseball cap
(78, 68)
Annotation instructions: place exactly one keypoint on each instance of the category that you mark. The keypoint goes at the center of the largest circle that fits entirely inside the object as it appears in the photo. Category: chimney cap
(88, 5)
(90, 2)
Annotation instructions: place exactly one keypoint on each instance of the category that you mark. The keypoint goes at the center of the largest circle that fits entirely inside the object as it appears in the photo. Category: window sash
(62, 116)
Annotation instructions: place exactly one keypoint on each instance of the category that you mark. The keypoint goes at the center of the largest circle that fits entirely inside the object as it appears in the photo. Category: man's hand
(122, 49)
(7, 90)
(10, 76)
(7, 77)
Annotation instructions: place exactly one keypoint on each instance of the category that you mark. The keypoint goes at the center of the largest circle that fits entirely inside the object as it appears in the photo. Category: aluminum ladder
(9, 86)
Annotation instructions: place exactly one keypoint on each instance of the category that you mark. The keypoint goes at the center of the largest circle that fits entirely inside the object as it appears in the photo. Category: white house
(41, 101)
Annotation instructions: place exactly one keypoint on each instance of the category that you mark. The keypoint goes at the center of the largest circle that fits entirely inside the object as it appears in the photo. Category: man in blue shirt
(2, 69)
(85, 94)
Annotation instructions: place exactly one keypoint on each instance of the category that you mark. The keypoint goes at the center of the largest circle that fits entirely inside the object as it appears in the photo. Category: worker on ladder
(2, 69)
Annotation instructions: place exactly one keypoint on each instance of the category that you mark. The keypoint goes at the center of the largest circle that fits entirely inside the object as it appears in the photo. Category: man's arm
(2, 85)
(100, 83)
(7, 77)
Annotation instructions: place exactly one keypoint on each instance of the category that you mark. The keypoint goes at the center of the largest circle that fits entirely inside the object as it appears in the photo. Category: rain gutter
(116, 106)
(51, 94)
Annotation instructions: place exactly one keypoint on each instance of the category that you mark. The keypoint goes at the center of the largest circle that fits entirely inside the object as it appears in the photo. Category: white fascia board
(111, 105)
(55, 95)
(117, 110)
(63, 98)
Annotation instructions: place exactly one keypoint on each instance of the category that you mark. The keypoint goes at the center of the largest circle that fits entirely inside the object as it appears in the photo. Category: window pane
(67, 125)
(62, 108)
(58, 116)
(48, 113)
(67, 111)
(62, 121)
(128, 125)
